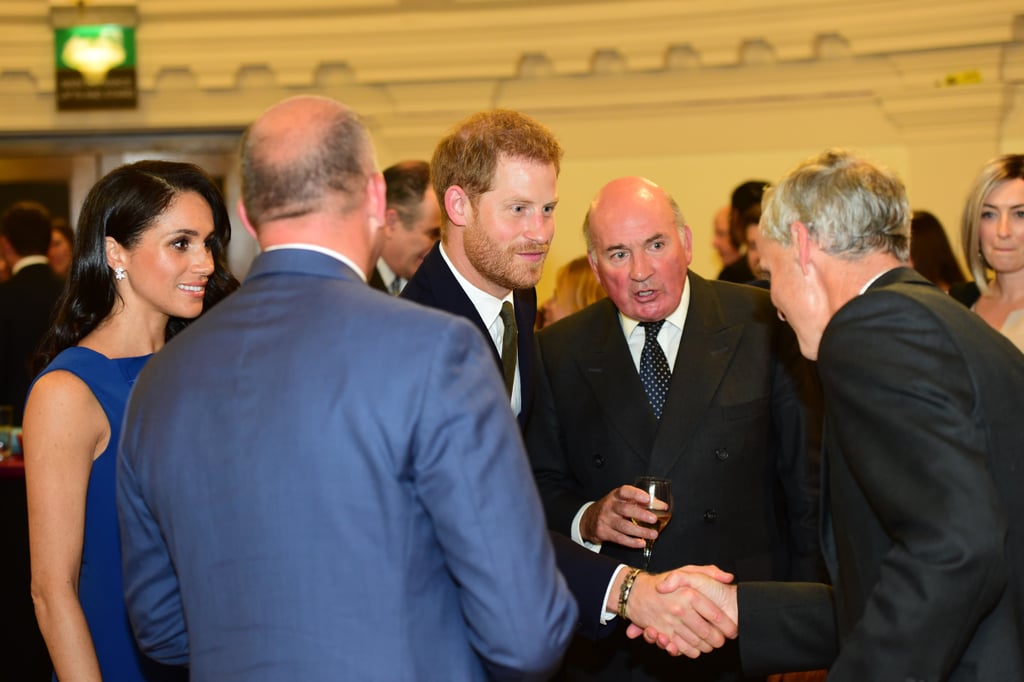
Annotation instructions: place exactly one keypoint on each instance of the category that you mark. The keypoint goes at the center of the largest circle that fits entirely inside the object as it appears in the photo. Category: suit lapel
(434, 284)
(449, 296)
(608, 369)
(705, 351)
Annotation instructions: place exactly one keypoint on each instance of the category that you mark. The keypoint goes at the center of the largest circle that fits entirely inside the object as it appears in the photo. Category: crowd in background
(321, 475)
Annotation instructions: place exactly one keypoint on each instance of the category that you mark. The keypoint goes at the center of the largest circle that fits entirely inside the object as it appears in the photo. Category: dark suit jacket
(434, 285)
(27, 303)
(924, 513)
(312, 530)
(738, 271)
(734, 438)
(376, 281)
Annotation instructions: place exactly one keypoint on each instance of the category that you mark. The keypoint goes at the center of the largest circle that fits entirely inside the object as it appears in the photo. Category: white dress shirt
(488, 307)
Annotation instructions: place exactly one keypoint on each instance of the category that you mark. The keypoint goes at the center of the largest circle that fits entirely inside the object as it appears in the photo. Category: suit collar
(435, 285)
(301, 262)
(608, 367)
(705, 351)
(317, 248)
(897, 276)
(487, 306)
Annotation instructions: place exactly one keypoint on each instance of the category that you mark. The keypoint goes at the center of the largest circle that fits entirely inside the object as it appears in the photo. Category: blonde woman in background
(993, 240)
(576, 287)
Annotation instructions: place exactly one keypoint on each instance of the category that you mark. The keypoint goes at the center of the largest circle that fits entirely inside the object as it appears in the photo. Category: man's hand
(610, 519)
(692, 611)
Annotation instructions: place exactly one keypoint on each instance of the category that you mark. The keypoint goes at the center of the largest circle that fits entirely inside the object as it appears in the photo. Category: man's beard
(499, 264)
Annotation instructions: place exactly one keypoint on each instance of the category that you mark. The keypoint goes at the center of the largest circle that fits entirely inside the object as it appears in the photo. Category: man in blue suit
(312, 529)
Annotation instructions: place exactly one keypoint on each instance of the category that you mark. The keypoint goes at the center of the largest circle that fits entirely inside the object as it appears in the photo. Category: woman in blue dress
(149, 257)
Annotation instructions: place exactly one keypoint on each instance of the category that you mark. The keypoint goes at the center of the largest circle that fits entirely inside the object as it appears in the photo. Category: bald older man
(682, 378)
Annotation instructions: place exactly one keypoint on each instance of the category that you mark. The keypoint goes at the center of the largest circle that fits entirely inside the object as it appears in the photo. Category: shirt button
(598, 461)
(722, 454)
(710, 515)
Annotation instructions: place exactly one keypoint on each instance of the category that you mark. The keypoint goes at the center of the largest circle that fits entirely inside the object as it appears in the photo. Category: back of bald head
(305, 155)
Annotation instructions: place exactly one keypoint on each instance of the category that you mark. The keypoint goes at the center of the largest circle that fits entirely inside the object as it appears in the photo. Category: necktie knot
(654, 370)
(651, 329)
(509, 339)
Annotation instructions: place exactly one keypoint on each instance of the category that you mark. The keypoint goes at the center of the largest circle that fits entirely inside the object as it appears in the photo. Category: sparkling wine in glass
(660, 490)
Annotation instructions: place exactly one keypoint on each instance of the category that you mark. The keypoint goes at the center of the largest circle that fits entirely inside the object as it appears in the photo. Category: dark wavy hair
(931, 253)
(123, 205)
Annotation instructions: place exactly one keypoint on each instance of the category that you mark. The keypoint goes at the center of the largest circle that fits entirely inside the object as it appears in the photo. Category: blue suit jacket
(434, 285)
(281, 521)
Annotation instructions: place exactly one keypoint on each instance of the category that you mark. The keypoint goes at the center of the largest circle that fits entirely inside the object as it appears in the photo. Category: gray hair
(850, 206)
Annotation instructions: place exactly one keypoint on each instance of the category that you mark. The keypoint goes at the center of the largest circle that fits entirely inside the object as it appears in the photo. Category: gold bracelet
(627, 586)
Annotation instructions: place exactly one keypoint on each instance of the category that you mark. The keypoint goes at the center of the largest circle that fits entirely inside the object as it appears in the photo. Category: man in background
(412, 225)
(322, 494)
(681, 378)
(27, 299)
(744, 210)
(721, 238)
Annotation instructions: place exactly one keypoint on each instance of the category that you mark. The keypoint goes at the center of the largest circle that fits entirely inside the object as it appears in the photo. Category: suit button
(722, 454)
(598, 461)
(710, 515)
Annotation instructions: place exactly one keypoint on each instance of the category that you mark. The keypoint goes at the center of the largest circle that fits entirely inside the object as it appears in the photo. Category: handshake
(687, 611)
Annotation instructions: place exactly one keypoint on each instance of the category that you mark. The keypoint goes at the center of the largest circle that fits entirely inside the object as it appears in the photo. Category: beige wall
(697, 95)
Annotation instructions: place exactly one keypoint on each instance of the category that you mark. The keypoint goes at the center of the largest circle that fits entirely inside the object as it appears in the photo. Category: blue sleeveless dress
(100, 587)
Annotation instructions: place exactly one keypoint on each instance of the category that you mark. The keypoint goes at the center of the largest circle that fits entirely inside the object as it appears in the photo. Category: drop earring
(119, 273)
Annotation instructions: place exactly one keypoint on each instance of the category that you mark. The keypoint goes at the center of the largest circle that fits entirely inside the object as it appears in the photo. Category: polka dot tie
(654, 371)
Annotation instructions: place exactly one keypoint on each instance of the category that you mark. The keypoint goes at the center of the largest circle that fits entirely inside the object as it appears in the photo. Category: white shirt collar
(320, 249)
(872, 280)
(27, 261)
(677, 317)
(488, 307)
(387, 275)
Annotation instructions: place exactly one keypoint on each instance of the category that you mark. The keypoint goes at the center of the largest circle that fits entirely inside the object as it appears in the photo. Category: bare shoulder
(62, 416)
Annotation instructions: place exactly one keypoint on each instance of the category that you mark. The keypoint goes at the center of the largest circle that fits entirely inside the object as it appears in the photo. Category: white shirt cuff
(575, 534)
(607, 615)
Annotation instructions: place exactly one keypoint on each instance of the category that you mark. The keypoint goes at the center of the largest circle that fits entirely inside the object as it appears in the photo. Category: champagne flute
(660, 491)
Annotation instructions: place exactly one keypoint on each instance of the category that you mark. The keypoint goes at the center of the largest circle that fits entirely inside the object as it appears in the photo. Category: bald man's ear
(376, 199)
(457, 205)
(244, 217)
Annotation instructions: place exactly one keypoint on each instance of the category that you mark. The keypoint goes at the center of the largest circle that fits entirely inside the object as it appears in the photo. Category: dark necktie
(396, 286)
(654, 371)
(508, 344)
